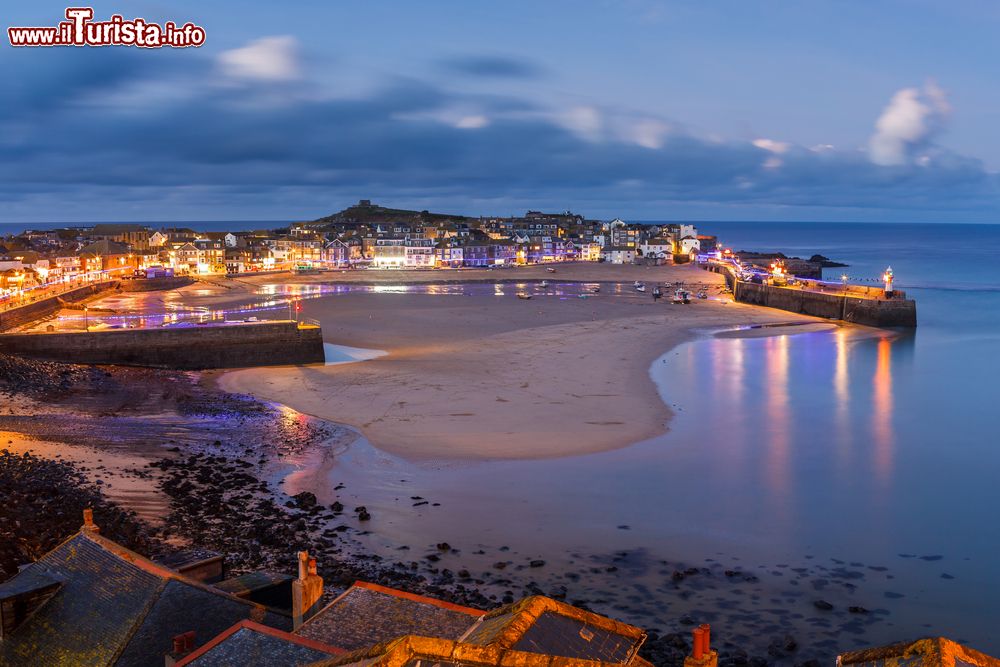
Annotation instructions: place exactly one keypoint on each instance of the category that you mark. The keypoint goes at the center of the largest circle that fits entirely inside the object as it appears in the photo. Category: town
(364, 236)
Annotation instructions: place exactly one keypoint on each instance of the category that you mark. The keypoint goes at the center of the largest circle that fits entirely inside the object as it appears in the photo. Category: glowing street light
(887, 278)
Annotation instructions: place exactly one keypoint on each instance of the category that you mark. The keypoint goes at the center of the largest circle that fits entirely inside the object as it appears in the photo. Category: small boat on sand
(640, 287)
(682, 296)
(702, 294)
(523, 295)
(550, 270)
(595, 290)
(544, 283)
(657, 293)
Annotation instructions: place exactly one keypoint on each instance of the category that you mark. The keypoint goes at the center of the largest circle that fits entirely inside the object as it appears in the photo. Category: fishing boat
(595, 290)
(682, 296)
(702, 295)
(523, 295)
(544, 283)
(639, 287)
(550, 270)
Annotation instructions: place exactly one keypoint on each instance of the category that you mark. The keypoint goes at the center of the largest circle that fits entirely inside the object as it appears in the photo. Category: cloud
(771, 145)
(908, 124)
(268, 59)
(472, 122)
(492, 67)
(213, 152)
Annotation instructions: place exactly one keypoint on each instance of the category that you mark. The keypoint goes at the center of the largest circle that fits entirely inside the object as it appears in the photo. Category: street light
(86, 318)
(843, 279)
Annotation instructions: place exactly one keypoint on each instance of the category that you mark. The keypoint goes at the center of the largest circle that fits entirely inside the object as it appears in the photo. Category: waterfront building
(619, 255)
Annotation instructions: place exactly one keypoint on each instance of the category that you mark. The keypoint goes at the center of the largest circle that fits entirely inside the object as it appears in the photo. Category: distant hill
(366, 212)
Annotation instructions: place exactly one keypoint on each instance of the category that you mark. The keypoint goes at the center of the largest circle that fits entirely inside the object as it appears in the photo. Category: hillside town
(364, 236)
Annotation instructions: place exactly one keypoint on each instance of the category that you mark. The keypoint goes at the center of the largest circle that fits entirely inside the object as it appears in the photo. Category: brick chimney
(702, 654)
(88, 521)
(183, 644)
(306, 590)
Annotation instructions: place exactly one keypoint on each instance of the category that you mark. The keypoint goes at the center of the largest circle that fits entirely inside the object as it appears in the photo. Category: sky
(839, 110)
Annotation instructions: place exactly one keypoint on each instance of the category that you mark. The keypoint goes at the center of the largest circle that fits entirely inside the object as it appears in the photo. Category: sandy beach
(488, 376)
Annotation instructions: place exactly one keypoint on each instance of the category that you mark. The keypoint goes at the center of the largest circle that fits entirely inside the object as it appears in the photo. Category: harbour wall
(860, 305)
(188, 348)
(155, 284)
(45, 307)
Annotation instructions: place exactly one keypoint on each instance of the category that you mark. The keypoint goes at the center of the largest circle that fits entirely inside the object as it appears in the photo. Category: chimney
(183, 644)
(702, 654)
(306, 591)
(88, 521)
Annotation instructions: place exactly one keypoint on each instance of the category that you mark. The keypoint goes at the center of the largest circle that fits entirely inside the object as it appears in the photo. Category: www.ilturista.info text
(81, 30)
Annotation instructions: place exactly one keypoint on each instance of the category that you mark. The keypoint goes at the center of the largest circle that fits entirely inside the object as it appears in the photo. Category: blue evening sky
(843, 110)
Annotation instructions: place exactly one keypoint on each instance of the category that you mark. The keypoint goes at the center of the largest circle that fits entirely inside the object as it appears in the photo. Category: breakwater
(187, 348)
(155, 284)
(846, 305)
(859, 304)
(49, 305)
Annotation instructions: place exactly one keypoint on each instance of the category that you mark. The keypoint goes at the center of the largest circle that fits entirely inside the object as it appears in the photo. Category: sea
(855, 467)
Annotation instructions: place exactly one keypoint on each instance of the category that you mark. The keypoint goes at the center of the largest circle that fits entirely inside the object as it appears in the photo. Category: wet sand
(490, 376)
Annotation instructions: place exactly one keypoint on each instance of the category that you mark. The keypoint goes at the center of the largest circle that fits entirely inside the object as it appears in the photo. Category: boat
(682, 296)
(550, 270)
(639, 287)
(544, 283)
(702, 295)
(657, 293)
(595, 290)
(523, 295)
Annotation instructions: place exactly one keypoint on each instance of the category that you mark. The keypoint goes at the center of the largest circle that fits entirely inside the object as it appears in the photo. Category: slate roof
(245, 584)
(105, 247)
(116, 608)
(249, 643)
(368, 614)
(542, 625)
(928, 652)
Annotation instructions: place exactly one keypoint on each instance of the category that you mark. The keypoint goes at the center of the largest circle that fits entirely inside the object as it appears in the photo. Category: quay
(198, 347)
(859, 304)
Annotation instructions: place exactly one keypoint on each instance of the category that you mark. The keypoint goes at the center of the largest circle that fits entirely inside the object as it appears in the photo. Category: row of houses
(83, 253)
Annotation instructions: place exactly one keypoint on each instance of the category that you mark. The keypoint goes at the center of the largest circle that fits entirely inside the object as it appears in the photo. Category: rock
(337, 506)
(854, 609)
(305, 500)
(537, 563)
(822, 605)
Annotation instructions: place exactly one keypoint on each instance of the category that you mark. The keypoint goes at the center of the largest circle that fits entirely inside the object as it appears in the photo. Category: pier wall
(31, 312)
(189, 348)
(155, 284)
(860, 305)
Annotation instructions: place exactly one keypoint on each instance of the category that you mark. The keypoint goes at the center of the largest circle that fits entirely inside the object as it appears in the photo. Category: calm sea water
(8, 228)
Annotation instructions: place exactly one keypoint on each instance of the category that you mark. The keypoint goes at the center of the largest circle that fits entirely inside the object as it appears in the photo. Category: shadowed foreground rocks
(41, 502)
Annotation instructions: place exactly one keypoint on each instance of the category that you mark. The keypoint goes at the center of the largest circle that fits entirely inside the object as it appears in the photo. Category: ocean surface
(8, 228)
